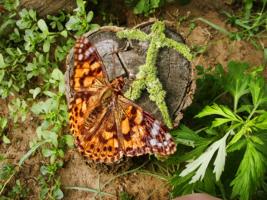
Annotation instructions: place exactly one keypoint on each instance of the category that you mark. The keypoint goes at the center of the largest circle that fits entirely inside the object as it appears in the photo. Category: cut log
(48, 7)
(174, 71)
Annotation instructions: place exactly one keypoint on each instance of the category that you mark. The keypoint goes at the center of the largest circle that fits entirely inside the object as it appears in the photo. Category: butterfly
(105, 124)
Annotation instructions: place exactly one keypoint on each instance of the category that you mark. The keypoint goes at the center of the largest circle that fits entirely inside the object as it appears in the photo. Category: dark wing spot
(76, 109)
(98, 150)
(98, 70)
(127, 136)
(129, 148)
(105, 148)
(133, 111)
(110, 148)
(92, 146)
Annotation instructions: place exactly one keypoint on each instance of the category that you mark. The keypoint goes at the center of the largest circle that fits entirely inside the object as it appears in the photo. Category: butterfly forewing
(105, 124)
(89, 72)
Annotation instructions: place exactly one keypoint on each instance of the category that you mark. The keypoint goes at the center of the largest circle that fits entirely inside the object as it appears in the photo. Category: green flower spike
(149, 71)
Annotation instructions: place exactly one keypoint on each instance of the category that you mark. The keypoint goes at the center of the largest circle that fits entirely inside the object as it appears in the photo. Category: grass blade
(215, 26)
(27, 155)
(99, 188)
(89, 190)
(264, 59)
(22, 160)
(127, 172)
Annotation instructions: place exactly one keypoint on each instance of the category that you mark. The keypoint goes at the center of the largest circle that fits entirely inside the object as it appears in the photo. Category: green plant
(235, 129)
(146, 6)
(252, 26)
(80, 22)
(18, 191)
(25, 51)
(109, 18)
(125, 196)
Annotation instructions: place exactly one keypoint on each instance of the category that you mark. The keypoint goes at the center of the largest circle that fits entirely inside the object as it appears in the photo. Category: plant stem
(247, 14)
(252, 112)
(99, 191)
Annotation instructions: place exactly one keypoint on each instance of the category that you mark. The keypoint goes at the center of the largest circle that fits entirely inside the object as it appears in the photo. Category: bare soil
(76, 171)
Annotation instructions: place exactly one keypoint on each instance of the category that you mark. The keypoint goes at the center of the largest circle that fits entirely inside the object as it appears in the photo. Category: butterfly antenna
(135, 80)
(114, 61)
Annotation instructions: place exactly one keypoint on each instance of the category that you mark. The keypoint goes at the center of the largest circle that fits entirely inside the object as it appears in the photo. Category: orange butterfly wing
(89, 72)
(105, 124)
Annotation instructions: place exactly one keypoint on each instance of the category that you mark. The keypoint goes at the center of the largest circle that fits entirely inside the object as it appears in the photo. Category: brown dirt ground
(76, 172)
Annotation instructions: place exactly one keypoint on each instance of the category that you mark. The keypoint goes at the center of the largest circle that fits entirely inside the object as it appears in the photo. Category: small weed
(146, 6)
(251, 26)
(109, 19)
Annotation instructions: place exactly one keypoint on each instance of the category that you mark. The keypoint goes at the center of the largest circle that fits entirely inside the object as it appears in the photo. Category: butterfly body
(106, 125)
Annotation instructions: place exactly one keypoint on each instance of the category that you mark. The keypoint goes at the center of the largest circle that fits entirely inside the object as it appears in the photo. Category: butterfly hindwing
(142, 133)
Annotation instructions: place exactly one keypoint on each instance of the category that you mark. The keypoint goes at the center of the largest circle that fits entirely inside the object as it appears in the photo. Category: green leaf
(69, 140)
(250, 173)
(53, 137)
(61, 87)
(58, 193)
(46, 134)
(36, 92)
(44, 170)
(61, 153)
(2, 62)
(3, 123)
(154, 3)
(237, 136)
(46, 46)
(237, 146)
(219, 121)
(44, 191)
(93, 27)
(89, 16)
(140, 7)
(32, 14)
(59, 164)
(64, 33)
(219, 110)
(42, 25)
(2, 74)
(47, 152)
(64, 114)
(6, 140)
(202, 162)
(39, 132)
(80, 3)
(50, 94)
(57, 75)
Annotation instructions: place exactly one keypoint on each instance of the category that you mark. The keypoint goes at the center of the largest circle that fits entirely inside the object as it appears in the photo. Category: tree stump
(174, 72)
(48, 7)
